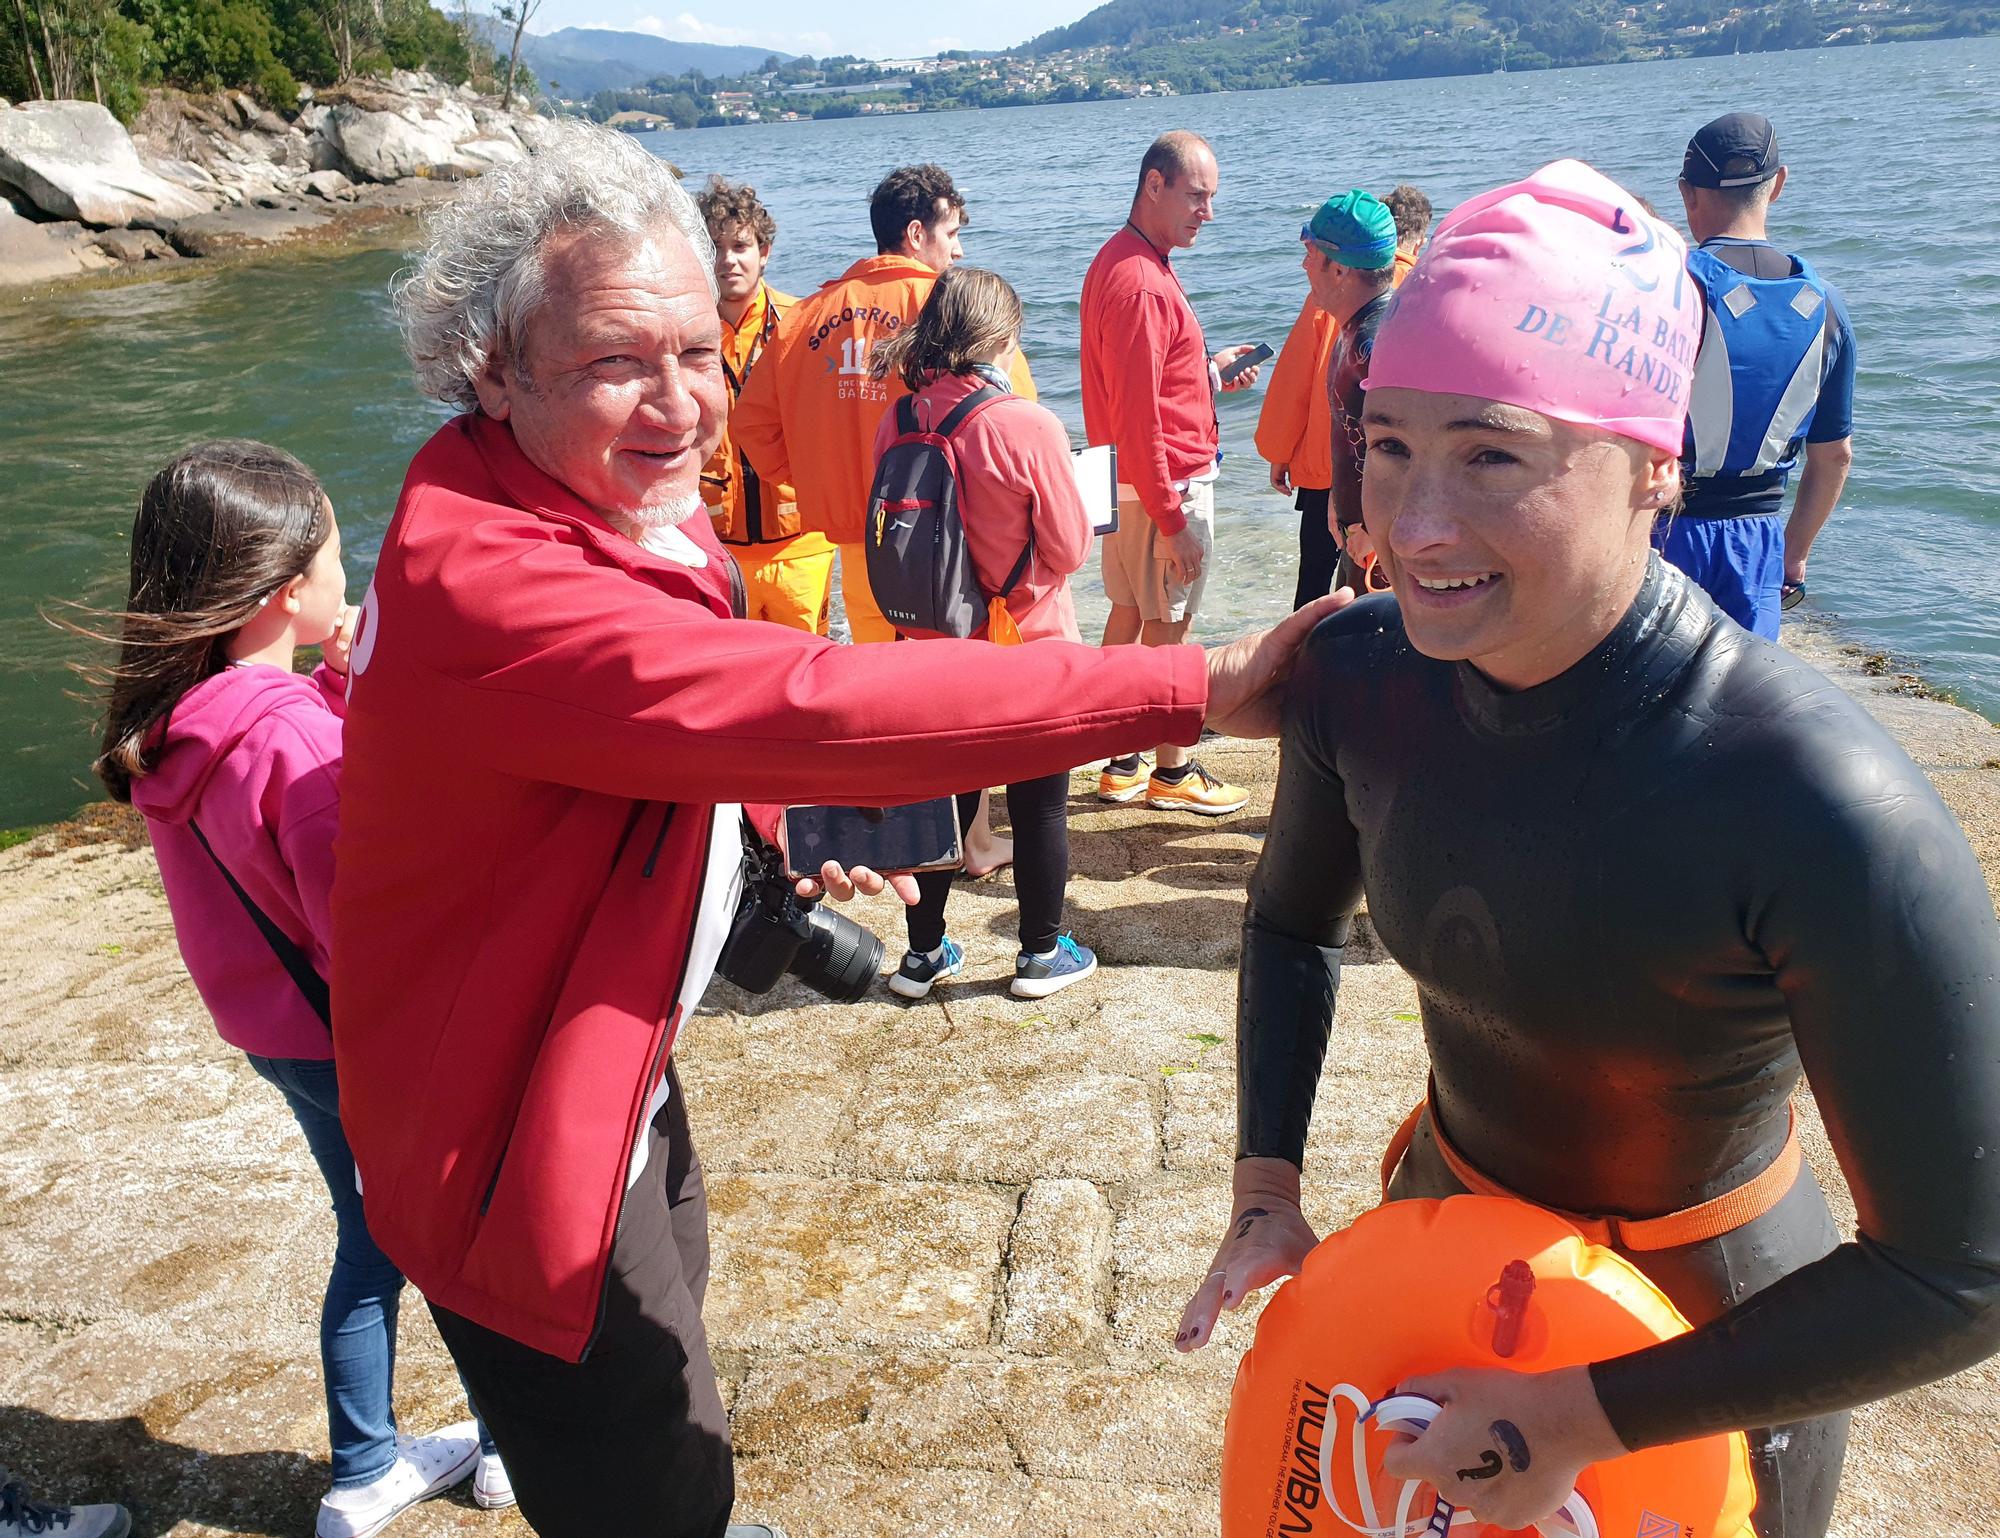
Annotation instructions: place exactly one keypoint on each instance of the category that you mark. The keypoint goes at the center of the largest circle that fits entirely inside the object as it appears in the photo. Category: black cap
(1739, 149)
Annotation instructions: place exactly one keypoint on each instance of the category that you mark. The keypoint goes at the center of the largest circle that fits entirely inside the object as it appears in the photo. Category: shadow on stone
(162, 1483)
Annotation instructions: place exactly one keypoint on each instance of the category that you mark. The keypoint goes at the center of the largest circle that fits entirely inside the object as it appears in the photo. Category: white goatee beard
(670, 514)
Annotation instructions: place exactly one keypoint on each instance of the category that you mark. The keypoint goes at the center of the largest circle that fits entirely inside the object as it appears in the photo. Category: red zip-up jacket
(547, 725)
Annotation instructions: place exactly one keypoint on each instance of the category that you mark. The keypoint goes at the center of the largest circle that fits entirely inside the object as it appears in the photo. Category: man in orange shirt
(807, 417)
(787, 570)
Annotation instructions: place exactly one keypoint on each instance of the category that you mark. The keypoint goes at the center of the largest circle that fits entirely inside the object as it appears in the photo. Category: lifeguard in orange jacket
(1295, 426)
(807, 417)
(787, 570)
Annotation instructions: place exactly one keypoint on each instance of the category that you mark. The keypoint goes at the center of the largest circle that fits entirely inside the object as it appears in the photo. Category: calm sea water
(1895, 194)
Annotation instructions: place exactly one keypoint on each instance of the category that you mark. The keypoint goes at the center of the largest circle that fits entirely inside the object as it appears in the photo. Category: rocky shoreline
(203, 177)
(950, 1239)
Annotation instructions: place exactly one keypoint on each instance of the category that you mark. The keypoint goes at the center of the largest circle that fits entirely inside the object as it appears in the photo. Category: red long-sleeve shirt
(1145, 374)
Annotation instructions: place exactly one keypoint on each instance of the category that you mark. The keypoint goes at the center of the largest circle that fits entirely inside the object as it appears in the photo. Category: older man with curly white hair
(554, 718)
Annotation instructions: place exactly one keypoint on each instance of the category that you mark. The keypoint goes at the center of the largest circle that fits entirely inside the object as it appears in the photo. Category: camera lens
(838, 957)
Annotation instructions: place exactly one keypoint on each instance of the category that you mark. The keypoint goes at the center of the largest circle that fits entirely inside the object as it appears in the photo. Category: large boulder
(239, 229)
(31, 252)
(75, 162)
(535, 132)
(386, 146)
(330, 185)
(135, 246)
(485, 154)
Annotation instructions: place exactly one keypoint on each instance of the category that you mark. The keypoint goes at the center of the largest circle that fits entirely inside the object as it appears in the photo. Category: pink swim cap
(1559, 294)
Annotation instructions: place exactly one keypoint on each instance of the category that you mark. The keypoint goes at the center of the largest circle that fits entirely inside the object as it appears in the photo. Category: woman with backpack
(235, 761)
(1025, 530)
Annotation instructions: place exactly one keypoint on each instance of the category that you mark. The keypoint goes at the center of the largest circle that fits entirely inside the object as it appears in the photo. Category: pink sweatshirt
(253, 755)
(1015, 473)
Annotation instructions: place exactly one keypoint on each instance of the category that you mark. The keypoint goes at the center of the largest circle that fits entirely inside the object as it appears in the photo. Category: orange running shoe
(1196, 791)
(1119, 784)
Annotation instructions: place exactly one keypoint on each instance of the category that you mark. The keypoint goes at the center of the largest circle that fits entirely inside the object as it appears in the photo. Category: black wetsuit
(1636, 900)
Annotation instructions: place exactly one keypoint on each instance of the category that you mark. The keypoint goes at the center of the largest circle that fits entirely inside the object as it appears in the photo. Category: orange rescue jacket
(746, 509)
(807, 415)
(1295, 426)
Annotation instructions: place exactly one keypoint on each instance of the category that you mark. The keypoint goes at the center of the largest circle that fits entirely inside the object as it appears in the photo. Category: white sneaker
(22, 1516)
(424, 1466)
(491, 1488)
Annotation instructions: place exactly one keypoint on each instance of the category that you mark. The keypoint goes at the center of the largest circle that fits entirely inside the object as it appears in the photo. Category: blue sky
(878, 30)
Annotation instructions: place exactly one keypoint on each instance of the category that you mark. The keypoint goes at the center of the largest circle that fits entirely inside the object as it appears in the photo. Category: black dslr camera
(775, 932)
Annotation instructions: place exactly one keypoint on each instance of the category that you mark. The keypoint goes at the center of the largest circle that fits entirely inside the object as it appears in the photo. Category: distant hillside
(1120, 23)
(586, 60)
(1210, 45)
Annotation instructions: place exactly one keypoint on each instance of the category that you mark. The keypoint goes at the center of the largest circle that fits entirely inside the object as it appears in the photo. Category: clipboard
(1096, 472)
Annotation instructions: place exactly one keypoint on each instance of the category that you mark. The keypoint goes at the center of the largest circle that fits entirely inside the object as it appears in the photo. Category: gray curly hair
(479, 275)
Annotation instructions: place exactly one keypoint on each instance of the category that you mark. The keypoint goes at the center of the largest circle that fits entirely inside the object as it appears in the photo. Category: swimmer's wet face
(1514, 542)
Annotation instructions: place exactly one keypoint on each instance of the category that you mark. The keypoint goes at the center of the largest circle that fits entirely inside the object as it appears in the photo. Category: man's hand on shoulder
(1243, 676)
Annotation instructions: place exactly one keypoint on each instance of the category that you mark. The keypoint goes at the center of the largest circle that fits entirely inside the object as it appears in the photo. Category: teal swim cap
(1355, 229)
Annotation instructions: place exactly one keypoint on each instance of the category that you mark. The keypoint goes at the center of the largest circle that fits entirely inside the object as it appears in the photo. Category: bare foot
(985, 851)
(984, 858)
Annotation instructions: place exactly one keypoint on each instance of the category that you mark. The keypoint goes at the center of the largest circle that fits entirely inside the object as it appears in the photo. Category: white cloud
(689, 28)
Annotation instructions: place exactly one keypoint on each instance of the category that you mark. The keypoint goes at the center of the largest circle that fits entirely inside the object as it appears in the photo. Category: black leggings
(1039, 811)
(1318, 554)
(1797, 1467)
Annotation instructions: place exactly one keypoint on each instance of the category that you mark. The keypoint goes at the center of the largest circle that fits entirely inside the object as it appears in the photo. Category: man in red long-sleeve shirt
(554, 716)
(1149, 387)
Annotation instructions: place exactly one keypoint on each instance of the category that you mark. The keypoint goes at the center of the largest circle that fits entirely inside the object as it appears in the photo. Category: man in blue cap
(1350, 265)
(1774, 379)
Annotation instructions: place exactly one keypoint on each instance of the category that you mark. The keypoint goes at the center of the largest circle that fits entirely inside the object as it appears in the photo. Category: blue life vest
(1764, 352)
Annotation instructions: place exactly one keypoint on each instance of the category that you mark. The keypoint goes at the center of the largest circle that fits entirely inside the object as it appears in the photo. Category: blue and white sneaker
(918, 973)
(1036, 977)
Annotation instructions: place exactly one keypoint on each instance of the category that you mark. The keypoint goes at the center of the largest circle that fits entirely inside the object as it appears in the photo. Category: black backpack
(919, 566)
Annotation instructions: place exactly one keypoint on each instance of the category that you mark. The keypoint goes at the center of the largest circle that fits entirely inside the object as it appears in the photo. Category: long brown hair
(226, 524)
(970, 316)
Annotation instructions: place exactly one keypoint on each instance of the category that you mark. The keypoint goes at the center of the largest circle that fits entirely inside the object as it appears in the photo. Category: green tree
(212, 45)
(519, 12)
(73, 49)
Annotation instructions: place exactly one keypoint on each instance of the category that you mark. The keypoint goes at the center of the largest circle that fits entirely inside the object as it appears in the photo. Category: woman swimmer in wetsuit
(1644, 868)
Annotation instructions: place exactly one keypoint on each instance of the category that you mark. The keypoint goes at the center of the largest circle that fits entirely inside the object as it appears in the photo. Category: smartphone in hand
(1249, 360)
(919, 837)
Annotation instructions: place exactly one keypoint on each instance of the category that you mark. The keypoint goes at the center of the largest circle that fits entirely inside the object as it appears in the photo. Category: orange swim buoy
(1417, 1287)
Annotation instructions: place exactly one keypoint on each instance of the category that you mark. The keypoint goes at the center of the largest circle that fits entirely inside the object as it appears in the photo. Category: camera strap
(294, 960)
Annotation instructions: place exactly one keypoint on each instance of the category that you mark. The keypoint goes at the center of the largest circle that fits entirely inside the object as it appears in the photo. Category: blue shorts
(1739, 562)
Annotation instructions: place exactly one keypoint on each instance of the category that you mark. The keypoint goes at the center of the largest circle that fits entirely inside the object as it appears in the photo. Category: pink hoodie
(253, 755)
(1014, 475)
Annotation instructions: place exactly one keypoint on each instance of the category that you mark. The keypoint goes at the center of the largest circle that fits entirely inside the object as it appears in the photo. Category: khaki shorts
(1136, 571)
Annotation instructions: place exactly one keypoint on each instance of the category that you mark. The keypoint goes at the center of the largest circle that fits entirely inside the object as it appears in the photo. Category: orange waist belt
(1691, 1225)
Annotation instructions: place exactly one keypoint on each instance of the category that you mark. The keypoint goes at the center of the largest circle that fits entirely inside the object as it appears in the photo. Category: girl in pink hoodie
(1016, 493)
(235, 761)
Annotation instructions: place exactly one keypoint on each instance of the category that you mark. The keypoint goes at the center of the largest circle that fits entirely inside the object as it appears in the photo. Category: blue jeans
(357, 1322)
